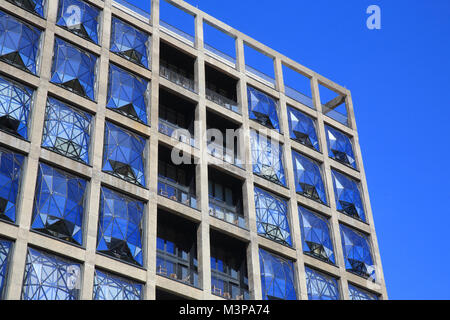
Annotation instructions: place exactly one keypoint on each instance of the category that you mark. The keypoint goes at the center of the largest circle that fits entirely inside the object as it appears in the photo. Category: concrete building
(93, 95)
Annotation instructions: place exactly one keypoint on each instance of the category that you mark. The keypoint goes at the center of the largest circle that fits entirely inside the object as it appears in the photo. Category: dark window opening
(177, 66)
(176, 249)
(221, 88)
(229, 277)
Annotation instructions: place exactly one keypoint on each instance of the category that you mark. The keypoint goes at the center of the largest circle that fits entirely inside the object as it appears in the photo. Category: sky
(399, 77)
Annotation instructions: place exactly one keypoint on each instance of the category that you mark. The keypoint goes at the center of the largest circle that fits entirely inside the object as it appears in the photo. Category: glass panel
(340, 147)
(262, 108)
(321, 286)
(112, 287)
(348, 196)
(5, 249)
(302, 129)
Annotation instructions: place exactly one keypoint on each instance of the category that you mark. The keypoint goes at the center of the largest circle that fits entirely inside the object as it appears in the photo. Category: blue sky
(399, 77)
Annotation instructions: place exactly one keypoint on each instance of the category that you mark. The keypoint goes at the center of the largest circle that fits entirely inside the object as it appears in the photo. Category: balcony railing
(336, 115)
(219, 55)
(298, 96)
(228, 290)
(176, 269)
(225, 212)
(220, 152)
(176, 33)
(177, 78)
(132, 10)
(260, 76)
(221, 100)
(176, 192)
(174, 131)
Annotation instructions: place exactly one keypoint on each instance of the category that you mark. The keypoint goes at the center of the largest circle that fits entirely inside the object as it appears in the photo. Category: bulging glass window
(19, 43)
(11, 165)
(272, 217)
(316, 235)
(120, 228)
(356, 293)
(302, 129)
(130, 43)
(5, 249)
(357, 253)
(59, 204)
(340, 147)
(16, 100)
(74, 69)
(267, 158)
(123, 154)
(262, 108)
(67, 130)
(348, 196)
(112, 287)
(80, 18)
(321, 286)
(128, 94)
(277, 277)
(50, 277)
(308, 178)
(35, 6)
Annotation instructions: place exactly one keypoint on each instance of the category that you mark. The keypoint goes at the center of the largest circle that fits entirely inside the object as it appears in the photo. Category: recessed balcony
(177, 67)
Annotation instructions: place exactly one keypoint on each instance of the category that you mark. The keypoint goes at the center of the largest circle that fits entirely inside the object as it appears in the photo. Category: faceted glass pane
(267, 158)
(277, 277)
(123, 154)
(15, 103)
(35, 6)
(5, 248)
(129, 42)
(49, 277)
(348, 197)
(357, 253)
(67, 130)
(59, 204)
(316, 235)
(80, 18)
(111, 287)
(19, 43)
(340, 147)
(11, 165)
(308, 178)
(272, 217)
(262, 108)
(120, 226)
(128, 94)
(302, 129)
(321, 286)
(74, 69)
(356, 293)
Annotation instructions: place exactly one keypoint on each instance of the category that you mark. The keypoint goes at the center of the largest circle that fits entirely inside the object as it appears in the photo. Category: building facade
(95, 96)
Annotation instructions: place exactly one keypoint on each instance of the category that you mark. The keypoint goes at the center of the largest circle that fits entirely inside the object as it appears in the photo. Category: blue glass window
(302, 129)
(59, 204)
(356, 293)
(308, 178)
(348, 197)
(128, 94)
(267, 159)
(316, 235)
(321, 286)
(262, 108)
(15, 103)
(340, 147)
(11, 165)
(35, 6)
(5, 248)
(357, 253)
(67, 130)
(80, 18)
(19, 43)
(49, 277)
(111, 287)
(120, 226)
(74, 69)
(129, 42)
(272, 217)
(277, 277)
(123, 154)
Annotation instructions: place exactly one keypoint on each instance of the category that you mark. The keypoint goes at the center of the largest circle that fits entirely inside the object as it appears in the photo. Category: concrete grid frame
(23, 237)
